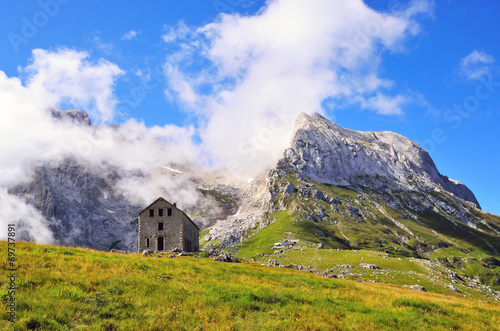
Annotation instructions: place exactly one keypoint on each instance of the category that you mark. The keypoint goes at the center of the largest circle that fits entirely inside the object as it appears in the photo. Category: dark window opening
(147, 242)
(160, 226)
(151, 213)
(160, 212)
(169, 211)
(160, 243)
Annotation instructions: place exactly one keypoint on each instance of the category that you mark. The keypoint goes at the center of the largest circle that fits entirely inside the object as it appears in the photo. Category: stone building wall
(173, 227)
(192, 234)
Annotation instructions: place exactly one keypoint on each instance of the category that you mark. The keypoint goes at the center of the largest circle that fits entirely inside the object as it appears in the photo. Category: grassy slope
(376, 230)
(377, 226)
(85, 289)
(398, 269)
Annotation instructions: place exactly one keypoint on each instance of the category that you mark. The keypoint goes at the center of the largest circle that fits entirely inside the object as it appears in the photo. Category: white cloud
(384, 104)
(106, 48)
(30, 136)
(174, 33)
(132, 34)
(29, 222)
(476, 64)
(68, 76)
(259, 72)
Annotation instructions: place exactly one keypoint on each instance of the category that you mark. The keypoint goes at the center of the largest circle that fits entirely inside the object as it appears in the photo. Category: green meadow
(63, 288)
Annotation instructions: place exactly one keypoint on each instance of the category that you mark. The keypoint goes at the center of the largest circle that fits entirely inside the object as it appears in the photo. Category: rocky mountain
(83, 208)
(336, 187)
(87, 206)
(377, 190)
(73, 115)
(386, 161)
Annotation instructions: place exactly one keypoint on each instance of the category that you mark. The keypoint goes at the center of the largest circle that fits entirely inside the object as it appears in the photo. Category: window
(160, 212)
(169, 211)
(147, 242)
(160, 226)
(151, 213)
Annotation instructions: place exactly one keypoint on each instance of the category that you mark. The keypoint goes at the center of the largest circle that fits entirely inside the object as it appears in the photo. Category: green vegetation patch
(425, 307)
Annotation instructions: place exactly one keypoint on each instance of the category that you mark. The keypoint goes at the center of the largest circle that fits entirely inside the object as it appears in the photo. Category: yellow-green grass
(76, 289)
(462, 244)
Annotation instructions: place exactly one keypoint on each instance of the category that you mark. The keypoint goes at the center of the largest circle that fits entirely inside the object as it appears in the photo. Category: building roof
(160, 198)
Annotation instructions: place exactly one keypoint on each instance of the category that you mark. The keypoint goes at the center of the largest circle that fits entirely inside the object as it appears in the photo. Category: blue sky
(430, 74)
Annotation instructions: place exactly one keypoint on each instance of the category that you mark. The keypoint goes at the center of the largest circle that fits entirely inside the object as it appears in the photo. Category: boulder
(214, 252)
(490, 262)
(347, 266)
(225, 258)
(147, 252)
(274, 263)
(369, 266)
(297, 267)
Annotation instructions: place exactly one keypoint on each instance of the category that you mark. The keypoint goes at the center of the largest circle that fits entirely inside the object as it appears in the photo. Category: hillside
(362, 218)
(375, 191)
(67, 288)
(357, 190)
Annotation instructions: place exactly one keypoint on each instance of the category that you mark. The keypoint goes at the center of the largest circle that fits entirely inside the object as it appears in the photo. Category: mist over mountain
(395, 189)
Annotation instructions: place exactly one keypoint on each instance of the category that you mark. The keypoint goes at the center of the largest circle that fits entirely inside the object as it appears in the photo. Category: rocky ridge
(330, 176)
(386, 161)
(377, 190)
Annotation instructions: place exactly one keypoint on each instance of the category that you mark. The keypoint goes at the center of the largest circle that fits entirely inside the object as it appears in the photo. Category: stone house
(163, 226)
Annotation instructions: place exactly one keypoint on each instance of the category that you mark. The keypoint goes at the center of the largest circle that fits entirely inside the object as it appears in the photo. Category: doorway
(160, 243)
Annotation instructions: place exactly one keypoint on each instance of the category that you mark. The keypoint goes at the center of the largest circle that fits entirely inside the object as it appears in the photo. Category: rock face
(71, 114)
(358, 189)
(83, 208)
(374, 190)
(230, 227)
(328, 153)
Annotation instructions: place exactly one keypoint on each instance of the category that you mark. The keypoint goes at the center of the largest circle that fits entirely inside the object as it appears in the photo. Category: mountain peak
(384, 160)
(305, 120)
(75, 115)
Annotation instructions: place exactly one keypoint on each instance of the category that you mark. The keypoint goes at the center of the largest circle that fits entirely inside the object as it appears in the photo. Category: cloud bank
(67, 76)
(245, 79)
(248, 77)
(30, 136)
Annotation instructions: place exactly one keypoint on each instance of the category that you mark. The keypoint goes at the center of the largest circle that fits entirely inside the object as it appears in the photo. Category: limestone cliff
(328, 153)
